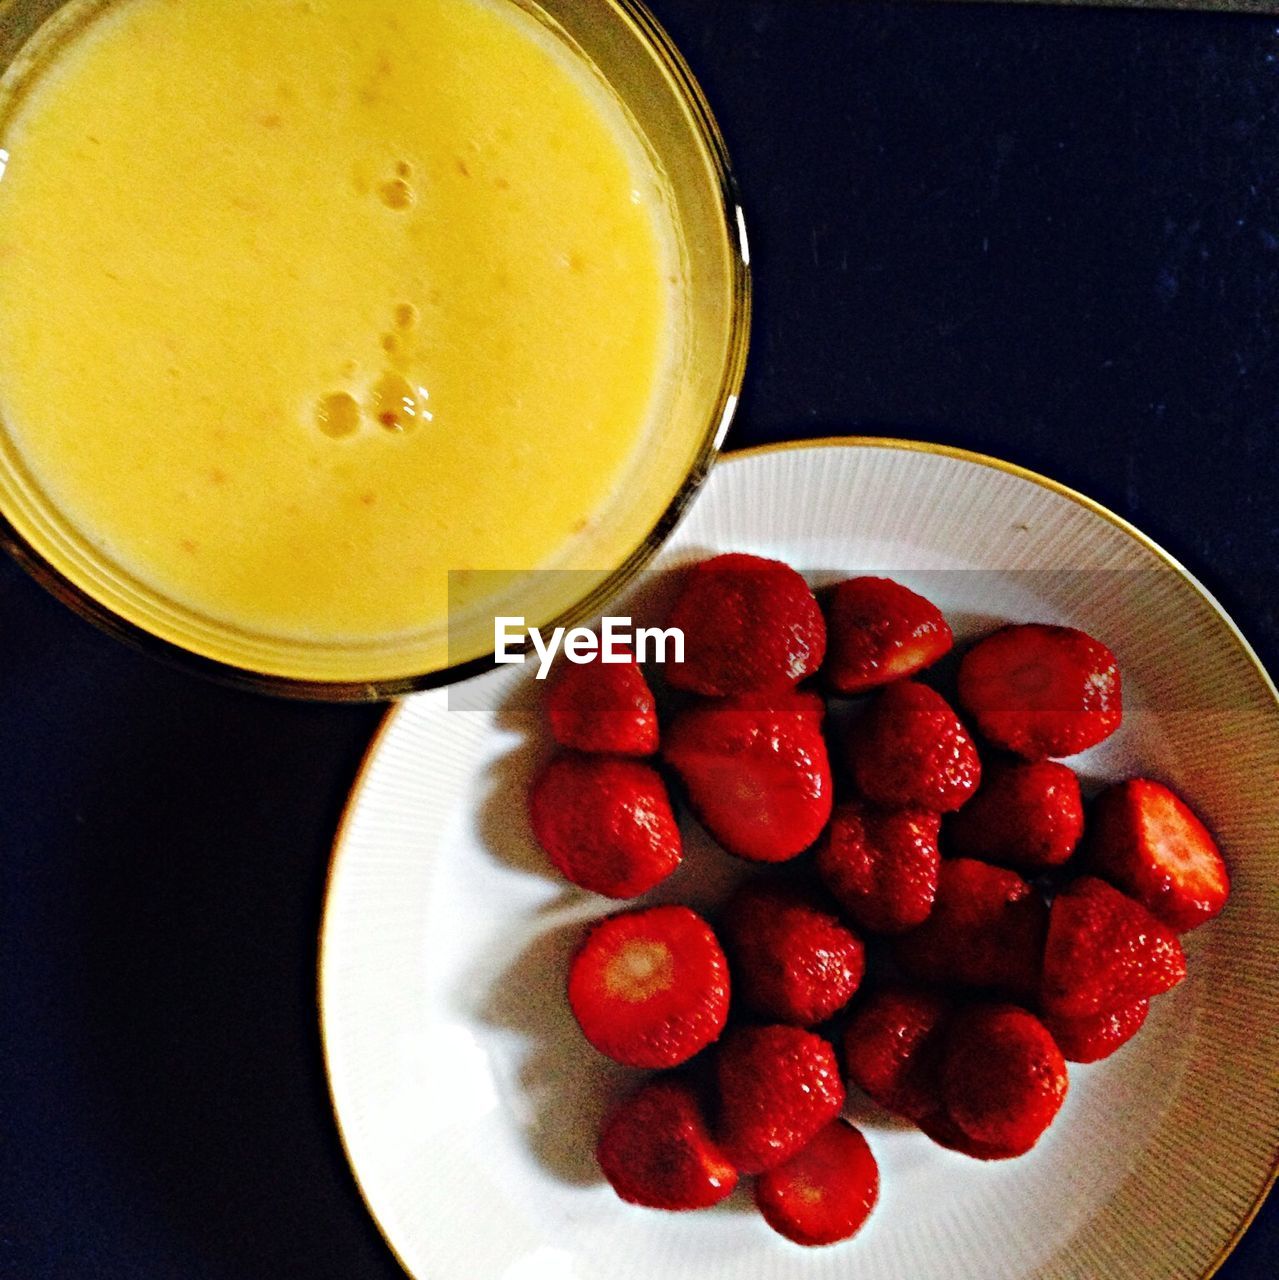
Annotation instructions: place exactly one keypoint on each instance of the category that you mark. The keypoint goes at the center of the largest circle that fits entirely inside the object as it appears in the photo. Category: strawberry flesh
(1027, 815)
(881, 865)
(778, 1087)
(758, 778)
(986, 930)
(1041, 691)
(750, 626)
(910, 751)
(878, 632)
(650, 988)
(1091, 1039)
(603, 706)
(826, 1192)
(790, 961)
(1105, 951)
(606, 824)
(1149, 843)
(656, 1150)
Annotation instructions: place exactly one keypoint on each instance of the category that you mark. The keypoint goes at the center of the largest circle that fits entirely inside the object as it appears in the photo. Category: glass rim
(221, 671)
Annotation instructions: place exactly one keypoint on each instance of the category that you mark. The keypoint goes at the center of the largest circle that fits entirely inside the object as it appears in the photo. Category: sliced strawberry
(650, 988)
(825, 1193)
(750, 626)
(1091, 1039)
(1027, 815)
(603, 706)
(881, 865)
(758, 778)
(791, 962)
(1148, 842)
(778, 1087)
(986, 930)
(1105, 951)
(878, 632)
(910, 751)
(892, 1049)
(656, 1150)
(1003, 1078)
(606, 824)
(1041, 691)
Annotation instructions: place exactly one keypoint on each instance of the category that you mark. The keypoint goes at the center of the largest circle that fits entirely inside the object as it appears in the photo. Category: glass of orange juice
(312, 308)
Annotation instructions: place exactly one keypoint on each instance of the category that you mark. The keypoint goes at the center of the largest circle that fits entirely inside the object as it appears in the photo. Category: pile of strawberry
(951, 914)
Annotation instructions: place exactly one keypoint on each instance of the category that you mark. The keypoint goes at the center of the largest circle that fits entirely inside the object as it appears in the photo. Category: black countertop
(1050, 235)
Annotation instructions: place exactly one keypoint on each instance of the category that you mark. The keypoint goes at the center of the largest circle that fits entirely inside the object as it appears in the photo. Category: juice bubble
(397, 194)
(395, 402)
(337, 415)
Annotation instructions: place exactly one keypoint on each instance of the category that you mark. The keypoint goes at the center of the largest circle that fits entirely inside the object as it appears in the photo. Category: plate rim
(901, 444)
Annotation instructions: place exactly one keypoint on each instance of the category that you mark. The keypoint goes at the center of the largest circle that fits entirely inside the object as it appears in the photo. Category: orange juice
(304, 303)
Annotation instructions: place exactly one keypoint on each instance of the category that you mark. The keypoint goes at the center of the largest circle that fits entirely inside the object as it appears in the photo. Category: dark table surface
(1050, 235)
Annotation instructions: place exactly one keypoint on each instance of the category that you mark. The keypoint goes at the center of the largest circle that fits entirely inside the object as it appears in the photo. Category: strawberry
(758, 778)
(946, 1133)
(1091, 1039)
(650, 988)
(878, 632)
(910, 751)
(778, 1087)
(1041, 691)
(1105, 951)
(881, 865)
(1148, 842)
(1025, 815)
(986, 930)
(750, 626)
(892, 1047)
(790, 961)
(656, 1150)
(825, 1193)
(804, 702)
(1003, 1078)
(606, 824)
(603, 706)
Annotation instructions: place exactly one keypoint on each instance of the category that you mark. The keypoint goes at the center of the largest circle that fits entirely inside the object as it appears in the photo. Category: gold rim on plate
(821, 442)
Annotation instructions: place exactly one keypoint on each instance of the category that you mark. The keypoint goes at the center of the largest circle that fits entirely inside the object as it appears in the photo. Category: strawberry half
(986, 930)
(879, 631)
(1003, 1078)
(790, 961)
(606, 824)
(1091, 1039)
(758, 778)
(910, 751)
(1148, 842)
(750, 626)
(825, 1193)
(1024, 815)
(892, 1049)
(1041, 691)
(778, 1087)
(656, 1150)
(603, 706)
(881, 865)
(650, 988)
(1105, 951)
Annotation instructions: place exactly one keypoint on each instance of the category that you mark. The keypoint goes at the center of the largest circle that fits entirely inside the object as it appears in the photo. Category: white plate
(468, 1101)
